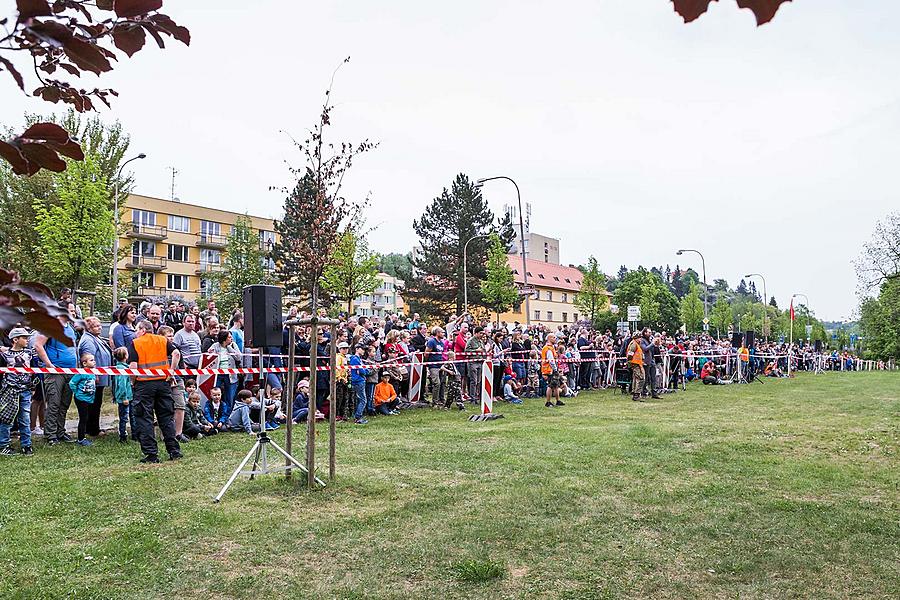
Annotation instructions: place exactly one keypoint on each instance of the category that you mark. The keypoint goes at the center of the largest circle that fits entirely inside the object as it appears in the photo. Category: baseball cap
(18, 332)
(343, 345)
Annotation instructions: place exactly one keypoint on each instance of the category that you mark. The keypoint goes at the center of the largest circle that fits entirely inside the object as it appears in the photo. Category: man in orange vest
(635, 356)
(550, 371)
(153, 393)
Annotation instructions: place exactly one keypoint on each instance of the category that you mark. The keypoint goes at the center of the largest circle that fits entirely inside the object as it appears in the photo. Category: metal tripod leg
(237, 471)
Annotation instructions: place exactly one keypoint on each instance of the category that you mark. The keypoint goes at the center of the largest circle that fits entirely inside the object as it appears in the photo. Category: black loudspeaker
(750, 338)
(737, 339)
(262, 316)
(818, 345)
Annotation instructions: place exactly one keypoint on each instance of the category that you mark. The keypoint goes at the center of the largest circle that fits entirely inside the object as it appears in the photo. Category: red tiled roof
(545, 274)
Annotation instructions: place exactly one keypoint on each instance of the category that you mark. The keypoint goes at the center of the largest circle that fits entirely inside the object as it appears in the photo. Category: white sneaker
(37, 431)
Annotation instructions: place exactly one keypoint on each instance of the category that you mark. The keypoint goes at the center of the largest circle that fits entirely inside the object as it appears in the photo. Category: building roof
(545, 274)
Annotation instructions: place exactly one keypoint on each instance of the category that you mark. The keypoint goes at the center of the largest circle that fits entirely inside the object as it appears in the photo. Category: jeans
(229, 391)
(124, 418)
(24, 421)
(519, 370)
(359, 392)
(370, 397)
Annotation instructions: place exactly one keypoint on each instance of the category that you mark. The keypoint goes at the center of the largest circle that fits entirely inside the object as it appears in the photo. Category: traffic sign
(634, 313)
(614, 309)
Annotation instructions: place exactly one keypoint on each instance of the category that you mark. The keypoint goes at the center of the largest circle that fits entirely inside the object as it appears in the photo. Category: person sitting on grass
(196, 425)
(239, 419)
(275, 399)
(508, 393)
(710, 375)
(268, 413)
(123, 394)
(215, 410)
(385, 396)
(84, 389)
(300, 408)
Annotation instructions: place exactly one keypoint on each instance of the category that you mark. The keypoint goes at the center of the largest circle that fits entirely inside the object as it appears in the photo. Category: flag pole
(791, 343)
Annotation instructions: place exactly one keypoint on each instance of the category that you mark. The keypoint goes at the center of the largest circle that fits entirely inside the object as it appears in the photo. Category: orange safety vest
(548, 355)
(638, 357)
(151, 351)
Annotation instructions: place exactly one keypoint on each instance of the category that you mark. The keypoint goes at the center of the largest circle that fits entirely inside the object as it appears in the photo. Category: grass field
(788, 489)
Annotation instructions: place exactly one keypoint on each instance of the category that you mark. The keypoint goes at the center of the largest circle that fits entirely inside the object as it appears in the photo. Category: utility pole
(174, 173)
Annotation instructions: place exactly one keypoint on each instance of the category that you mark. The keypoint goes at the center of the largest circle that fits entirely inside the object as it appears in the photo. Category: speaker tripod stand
(259, 453)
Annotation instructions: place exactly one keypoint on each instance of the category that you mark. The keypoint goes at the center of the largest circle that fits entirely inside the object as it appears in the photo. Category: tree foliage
(315, 210)
(243, 264)
(692, 310)
(458, 215)
(659, 306)
(498, 288)
(720, 317)
(353, 271)
(592, 299)
(880, 258)
(880, 322)
(763, 9)
(76, 235)
(61, 41)
(396, 265)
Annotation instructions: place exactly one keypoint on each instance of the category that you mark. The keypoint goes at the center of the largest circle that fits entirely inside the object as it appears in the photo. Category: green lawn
(788, 489)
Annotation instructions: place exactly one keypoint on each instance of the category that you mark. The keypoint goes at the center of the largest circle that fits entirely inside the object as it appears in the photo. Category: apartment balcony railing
(147, 263)
(212, 240)
(149, 232)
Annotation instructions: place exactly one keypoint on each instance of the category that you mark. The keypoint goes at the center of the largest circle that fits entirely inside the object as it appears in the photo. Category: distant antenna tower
(174, 173)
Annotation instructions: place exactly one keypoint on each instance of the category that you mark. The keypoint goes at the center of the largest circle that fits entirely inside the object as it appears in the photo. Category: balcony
(147, 232)
(147, 263)
(148, 291)
(206, 268)
(212, 240)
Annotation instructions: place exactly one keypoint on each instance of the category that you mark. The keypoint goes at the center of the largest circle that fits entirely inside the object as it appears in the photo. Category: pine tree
(677, 284)
(453, 218)
(623, 271)
(498, 289)
(353, 271)
(742, 289)
(773, 302)
(243, 264)
(591, 299)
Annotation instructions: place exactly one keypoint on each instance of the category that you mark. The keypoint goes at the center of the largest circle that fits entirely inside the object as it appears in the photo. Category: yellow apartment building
(174, 245)
(556, 286)
(385, 299)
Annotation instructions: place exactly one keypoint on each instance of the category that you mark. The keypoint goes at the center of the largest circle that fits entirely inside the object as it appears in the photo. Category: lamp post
(115, 268)
(765, 302)
(705, 287)
(791, 343)
(478, 184)
(465, 280)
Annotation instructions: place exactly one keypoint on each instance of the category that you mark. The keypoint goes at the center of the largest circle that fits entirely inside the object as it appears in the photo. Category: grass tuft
(478, 571)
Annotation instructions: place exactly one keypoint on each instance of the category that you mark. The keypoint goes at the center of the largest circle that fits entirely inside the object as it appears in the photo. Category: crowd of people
(374, 363)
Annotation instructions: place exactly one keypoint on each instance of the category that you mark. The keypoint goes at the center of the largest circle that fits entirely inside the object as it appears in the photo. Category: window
(143, 217)
(565, 297)
(140, 248)
(210, 257)
(179, 253)
(266, 240)
(142, 279)
(565, 317)
(537, 315)
(550, 295)
(177, 223)
(177, 282)
(541, 275)
(207, 288)
(210, 228)
(575, 317)
(568, 280)
(555, 278)
(549, 315)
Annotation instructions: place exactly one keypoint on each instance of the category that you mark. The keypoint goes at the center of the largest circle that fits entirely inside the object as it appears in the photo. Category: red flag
(792, 309)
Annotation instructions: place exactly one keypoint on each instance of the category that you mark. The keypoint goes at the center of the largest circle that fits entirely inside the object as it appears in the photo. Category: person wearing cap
(341, 381)
(300, 407)
(508, 393)
(15, 394)
(358, 374)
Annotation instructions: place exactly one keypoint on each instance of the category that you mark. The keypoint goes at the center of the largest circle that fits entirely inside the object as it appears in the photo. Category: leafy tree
(763, 9)
(659, 306)
(720, 316)
(353, 271)
(315, 211)
(720, 285)
(71, 36)
(243, 265)
(498, 289)
(592, 299)
(396, 265)
(678, 287)
(692, 310)
(880, 321)
(75, 235)
(458, 215)
(880, 258)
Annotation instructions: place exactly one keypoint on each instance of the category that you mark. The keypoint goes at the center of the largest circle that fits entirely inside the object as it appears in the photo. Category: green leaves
(353, 270)
(591, 299)
(498, 289)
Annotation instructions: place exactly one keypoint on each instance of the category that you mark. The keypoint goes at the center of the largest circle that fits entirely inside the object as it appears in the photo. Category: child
(239, 419)
(342, 383)
(123, 393)
(534, 375)
(269, 410)
(385, 396)
(15, 394)
(83, 389)
(300, 408)
(508, 394)
(454, 383)
(215, 409)
(371, 379)
(196, 424)
(275, 399)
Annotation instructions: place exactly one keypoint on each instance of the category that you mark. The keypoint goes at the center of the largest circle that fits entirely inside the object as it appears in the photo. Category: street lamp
(478, 184)
(705, 287)
(765, 301)
(115, 269)
(465, 280)
(791, 344)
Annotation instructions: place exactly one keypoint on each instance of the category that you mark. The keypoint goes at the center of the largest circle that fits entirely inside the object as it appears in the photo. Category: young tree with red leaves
(72, 36)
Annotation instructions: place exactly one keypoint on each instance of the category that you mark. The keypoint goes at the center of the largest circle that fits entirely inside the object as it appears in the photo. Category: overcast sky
(770, 149)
